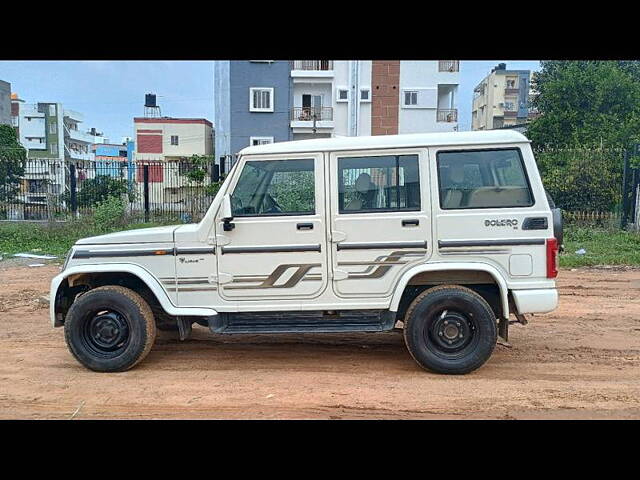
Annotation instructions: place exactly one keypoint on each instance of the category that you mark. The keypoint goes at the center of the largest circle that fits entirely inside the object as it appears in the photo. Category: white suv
(450, 233)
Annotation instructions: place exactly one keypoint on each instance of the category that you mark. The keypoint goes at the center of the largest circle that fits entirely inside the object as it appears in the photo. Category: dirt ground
(581, 361)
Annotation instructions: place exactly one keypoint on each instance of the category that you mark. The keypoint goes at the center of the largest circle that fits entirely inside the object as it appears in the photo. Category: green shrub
(110, 214)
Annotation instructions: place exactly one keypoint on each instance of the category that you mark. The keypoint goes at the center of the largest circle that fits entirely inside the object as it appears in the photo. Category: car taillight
(552, 258)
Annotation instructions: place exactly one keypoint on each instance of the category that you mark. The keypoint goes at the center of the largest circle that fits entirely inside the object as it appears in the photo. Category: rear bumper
(535, 301)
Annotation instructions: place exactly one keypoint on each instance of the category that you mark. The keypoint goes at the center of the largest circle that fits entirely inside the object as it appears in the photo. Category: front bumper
(535, 301)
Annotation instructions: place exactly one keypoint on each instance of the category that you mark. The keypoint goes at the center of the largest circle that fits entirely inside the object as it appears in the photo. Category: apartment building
(54, 138)
(263, 101)
(5, 103)
(501, 99)
(164, 145)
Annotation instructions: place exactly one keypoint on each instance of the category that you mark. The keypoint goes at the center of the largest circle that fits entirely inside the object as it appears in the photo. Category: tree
(586, 103)
(589, 112)
(13, 158)
(99, 189)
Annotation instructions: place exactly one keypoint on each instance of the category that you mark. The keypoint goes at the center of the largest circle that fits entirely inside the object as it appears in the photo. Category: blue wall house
(253, 101)
(111, 160)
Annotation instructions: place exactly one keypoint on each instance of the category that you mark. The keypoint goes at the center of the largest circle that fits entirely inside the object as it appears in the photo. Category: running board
(303, 322)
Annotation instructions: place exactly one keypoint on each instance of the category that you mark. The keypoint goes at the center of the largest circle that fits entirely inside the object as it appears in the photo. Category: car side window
(380, 183)
(483, 179)
(275, 187)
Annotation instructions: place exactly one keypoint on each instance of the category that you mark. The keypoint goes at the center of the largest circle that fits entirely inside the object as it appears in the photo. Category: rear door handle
(305, 226)
(414, 221)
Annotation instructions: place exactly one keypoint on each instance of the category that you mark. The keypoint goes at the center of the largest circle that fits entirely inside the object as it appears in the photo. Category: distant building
(502, 99)
(5, 103)
(165, 145)
(252, 105)
(54, 139)
(265, 101)
(111, 160)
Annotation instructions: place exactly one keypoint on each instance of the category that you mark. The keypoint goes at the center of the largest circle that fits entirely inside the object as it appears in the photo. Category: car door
(380, 219)
(277, 247)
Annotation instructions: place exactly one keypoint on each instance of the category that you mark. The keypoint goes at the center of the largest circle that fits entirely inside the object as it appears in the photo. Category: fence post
(625, 196)
(146, 192)
(73, 188)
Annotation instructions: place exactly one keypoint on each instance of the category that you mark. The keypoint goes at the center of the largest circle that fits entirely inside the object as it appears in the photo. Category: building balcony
(73, 115)
(78, 135)
(511, 91)
(448, 115)
(306, 117)
(448, 65)
(315, 70)
(510, 113)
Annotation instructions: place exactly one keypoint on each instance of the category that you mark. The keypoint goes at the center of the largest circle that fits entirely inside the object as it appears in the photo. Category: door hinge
(224, 278)
(222, 240)
(340, 275)
(337, 236)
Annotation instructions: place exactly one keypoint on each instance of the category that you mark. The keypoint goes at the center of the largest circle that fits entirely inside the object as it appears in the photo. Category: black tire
(450, 329)
(110, 329)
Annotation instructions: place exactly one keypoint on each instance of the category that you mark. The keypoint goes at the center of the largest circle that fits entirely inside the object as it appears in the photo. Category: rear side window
(483, 179)
(384, 183)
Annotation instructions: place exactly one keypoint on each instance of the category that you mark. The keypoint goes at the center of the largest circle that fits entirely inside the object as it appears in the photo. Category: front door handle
(414, 221)
(305, 226)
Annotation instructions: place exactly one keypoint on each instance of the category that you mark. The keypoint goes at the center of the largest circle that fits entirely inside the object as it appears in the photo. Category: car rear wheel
(450, 329)
(110, 329)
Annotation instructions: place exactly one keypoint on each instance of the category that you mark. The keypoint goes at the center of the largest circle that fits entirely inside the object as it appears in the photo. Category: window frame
(177, 137)
(251, 139)
(379, 153)
(471, 150)
(253, 108)
(314, 171)
(368, 99)
(410, 91)
(342, 89)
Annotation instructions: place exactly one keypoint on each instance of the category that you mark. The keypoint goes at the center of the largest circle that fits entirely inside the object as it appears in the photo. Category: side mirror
(227, 215)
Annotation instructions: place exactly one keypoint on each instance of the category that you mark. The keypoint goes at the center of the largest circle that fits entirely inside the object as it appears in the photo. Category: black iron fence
(152, 191)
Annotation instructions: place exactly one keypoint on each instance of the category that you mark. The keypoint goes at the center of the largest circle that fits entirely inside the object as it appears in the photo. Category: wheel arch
(60, 291)
(494, 273)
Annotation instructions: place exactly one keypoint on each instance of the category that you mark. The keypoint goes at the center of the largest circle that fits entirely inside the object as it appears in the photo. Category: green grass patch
(604, 247)
(56, 239)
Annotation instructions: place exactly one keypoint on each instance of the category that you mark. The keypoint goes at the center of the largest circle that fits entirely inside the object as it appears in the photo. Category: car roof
(389, 141)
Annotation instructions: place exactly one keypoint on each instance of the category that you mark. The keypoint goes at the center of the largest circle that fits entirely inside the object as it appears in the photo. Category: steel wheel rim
(105, 333)
(451, 333)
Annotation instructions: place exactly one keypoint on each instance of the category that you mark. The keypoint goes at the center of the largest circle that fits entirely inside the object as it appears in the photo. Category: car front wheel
(110, 329)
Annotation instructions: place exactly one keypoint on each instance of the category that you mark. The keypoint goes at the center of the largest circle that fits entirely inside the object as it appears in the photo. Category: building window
(509, 106)
(174, 139)
(54, 149)
(52, 128)
(261, 99)
(343, 95)
(410, 97)
(365, 95)
(372, 184)
(483, 179)
(253, 141)
(52, 110)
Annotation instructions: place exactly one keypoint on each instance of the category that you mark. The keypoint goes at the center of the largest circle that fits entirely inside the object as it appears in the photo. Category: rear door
(277, 248)
(490, 206)
(380, 219)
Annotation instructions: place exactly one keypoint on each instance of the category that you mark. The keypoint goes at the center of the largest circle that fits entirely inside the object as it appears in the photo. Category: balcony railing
(325, 65)
(447, 115)
(511, 91)
(307, 114)
(449, 65)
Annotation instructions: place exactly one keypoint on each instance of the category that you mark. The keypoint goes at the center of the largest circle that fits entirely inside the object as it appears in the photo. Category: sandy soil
(582, 361)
